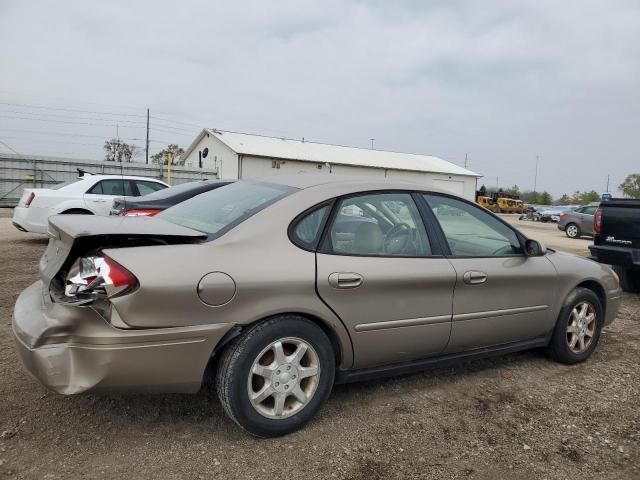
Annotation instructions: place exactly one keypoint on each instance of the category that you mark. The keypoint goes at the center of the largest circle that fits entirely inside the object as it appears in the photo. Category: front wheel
(578, 327)
(572, 230)
(272, 379)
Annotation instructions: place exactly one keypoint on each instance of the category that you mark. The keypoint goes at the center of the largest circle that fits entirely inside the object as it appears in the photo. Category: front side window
(471, 231)
(383, 224)
(217, 211)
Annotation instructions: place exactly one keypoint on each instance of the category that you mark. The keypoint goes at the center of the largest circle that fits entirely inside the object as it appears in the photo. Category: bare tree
(176, 155)
(118, 151)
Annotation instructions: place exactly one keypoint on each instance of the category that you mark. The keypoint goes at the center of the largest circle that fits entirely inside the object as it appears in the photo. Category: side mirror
(534, 248)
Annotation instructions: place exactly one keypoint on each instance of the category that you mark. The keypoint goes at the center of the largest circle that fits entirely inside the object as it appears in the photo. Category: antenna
(124, 193)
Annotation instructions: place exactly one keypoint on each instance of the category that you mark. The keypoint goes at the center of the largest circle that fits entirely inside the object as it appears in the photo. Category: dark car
(155, 202)
(617, 240)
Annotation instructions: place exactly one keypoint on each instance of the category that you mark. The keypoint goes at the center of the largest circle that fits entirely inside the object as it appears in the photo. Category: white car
(88, 195)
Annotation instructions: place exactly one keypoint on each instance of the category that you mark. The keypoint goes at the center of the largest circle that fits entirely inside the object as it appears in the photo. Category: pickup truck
(617, 240)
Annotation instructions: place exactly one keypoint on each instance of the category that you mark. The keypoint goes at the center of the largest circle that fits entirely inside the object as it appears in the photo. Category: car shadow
(187, 414)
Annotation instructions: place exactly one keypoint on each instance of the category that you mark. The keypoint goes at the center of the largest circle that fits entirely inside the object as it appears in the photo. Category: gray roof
(272, 147)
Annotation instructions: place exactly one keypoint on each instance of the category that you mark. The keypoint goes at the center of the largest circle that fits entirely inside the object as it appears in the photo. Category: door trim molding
(407, 322)
(458, 317)
(437, 361)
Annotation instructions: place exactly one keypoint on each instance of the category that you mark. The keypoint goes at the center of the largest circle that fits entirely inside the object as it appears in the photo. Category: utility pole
(535, 178)
(146, 148)
(607, 190)
(372, 139)
(465, 160)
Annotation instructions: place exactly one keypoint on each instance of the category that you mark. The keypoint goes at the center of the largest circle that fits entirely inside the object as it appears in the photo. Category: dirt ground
(520, 416)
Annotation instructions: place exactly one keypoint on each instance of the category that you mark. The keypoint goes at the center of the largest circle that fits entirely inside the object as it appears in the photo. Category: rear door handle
(474, 277)
(345, 280)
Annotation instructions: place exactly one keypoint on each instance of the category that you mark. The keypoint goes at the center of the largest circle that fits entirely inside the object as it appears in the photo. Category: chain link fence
(18, 172)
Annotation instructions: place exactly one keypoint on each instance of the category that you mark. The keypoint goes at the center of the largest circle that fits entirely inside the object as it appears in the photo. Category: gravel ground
(520, 416)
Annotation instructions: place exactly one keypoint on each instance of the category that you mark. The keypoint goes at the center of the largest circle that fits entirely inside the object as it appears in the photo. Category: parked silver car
(286, 288)
(578, 222)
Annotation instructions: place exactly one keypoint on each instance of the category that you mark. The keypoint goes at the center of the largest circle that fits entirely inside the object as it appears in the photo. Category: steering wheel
(393, 242)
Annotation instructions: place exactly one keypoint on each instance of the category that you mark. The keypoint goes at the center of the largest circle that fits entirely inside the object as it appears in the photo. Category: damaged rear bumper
(72, 349)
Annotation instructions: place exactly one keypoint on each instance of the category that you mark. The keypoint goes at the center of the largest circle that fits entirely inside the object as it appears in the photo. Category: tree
(513, 192)
(530, 197)
(564, 199)
(631, 186)
(163, 155)
(545, 198)
(118, 151)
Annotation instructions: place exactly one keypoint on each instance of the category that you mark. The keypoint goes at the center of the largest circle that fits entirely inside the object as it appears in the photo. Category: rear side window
(145, 188)
(590, 210)
(112, 187)
(378, 224)
(306, 231)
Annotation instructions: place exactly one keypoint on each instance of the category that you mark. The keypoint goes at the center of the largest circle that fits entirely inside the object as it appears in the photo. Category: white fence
(18, 172)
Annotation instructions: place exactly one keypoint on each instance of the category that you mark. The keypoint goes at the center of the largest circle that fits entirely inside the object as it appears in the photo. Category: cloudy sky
(502, 81)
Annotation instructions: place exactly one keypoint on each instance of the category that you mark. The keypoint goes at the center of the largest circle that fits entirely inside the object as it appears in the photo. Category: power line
(40, 132)
(111, 125)
(176, 121)
(12, 149)
(71, 109)
(74, 117)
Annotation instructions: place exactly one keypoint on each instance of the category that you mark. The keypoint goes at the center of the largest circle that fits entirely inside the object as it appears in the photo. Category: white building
(239, 155)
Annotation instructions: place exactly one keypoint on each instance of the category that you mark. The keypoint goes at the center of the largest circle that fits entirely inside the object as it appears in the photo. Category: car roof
(304, 181)
(124, 177)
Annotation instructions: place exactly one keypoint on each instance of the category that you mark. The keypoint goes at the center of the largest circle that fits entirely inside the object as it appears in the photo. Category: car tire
(240, 390)
(629, 278)
(572, 324)
(572, 230)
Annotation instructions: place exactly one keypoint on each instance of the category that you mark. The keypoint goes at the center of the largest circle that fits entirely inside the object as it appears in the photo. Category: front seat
(368, 239)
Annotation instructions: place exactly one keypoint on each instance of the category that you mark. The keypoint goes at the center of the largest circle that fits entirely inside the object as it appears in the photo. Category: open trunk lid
(71, 236)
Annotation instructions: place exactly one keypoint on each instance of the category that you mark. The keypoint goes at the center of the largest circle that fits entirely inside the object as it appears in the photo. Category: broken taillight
(97, 276)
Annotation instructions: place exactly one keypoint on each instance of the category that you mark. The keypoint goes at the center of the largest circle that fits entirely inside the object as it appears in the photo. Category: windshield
(217, 211)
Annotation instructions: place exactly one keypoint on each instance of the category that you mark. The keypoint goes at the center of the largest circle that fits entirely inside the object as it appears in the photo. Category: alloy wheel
(581, 327)
(572, 231)
(283, 378)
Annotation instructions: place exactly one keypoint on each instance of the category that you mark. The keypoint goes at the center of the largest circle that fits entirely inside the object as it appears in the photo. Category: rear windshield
(177, 190)
(65, 184)
(217, 211)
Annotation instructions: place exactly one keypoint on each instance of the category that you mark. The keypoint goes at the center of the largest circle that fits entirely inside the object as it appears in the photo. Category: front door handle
(474, 277)
(345, 280)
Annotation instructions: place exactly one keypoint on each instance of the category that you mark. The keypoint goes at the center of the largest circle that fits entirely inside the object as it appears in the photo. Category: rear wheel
(578, 327)
(572, 230)
(629, 278)
(272, 379)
